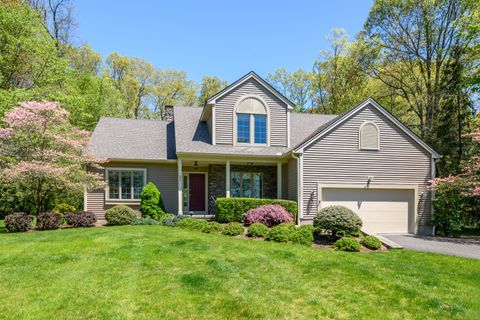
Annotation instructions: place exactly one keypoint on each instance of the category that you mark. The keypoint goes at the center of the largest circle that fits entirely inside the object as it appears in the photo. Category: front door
(196, 192)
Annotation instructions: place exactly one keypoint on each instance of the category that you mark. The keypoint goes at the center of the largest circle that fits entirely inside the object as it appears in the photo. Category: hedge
(233, 209)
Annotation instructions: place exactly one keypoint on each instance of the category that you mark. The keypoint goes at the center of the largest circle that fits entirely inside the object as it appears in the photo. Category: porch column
(227, 179)
(180, 187)
(279, 180)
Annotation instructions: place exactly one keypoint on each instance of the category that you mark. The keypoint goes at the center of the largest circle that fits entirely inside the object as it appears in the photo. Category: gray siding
(284, 181)
(224, 113)
(164, 176)
(292, 179)
(336, 158)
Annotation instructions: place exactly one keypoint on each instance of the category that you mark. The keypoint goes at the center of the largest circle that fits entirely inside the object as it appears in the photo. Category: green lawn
(154, 272)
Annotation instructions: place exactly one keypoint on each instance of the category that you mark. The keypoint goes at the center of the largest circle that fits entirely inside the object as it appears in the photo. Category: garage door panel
(386, 211)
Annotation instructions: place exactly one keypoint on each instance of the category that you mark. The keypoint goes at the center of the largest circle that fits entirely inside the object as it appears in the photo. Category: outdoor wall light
(195, 165)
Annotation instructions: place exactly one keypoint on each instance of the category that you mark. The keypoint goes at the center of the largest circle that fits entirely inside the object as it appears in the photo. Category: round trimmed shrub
(145, 222)
(338, 220)
(81, 219)
(120, 215)
(192, 224)
(213, 227)
(372, 242)
(270, 215)
(18, 222)
(49, 220)
(303, 235)
(63, 208)
(233, 229)
(347, 244)
(282, 233)
(257, 230)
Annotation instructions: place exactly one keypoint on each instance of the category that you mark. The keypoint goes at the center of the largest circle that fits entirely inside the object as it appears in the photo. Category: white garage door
(381, 210)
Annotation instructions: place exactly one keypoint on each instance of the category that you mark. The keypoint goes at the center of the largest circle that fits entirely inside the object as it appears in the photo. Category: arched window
(369, 136)
(251, 115)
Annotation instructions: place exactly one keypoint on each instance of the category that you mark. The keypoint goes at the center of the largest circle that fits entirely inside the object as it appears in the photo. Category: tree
(338, 81)
(44, 154)
(296, 86)
(134, 78)
(170, 87)
(209, 87)
(409, 45)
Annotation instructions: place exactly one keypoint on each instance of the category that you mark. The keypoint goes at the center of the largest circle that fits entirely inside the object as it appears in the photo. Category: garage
(382, 210)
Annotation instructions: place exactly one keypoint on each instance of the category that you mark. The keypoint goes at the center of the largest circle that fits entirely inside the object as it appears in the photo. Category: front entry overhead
(381, 210)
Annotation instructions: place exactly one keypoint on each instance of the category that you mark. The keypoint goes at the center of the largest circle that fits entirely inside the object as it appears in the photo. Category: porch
(201, 182)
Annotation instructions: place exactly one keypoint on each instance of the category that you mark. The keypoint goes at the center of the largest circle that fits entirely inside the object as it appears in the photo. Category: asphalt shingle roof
(160, 140)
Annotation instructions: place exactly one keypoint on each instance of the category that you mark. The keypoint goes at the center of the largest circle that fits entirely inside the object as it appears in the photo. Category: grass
(146, 272)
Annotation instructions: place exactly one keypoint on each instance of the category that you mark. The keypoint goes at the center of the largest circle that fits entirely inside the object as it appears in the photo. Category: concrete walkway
(468, 248)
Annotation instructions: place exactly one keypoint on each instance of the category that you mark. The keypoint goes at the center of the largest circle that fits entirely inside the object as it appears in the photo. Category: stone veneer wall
(216, 180)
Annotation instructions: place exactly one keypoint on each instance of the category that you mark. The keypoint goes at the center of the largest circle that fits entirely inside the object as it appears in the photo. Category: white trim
(107, 188)
(85, 199)
(432, 195)
(300, 185)
(288, 127)
(227, 179)
(180, 186)
(355, 110)
(252, 121)
(412, 225)
(360, 136)
(187, 174)
(214, 125)
(279, 180)
(246, 78)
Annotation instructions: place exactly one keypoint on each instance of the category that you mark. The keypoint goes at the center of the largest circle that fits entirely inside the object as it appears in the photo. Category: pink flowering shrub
(43, 154)
(269, 215)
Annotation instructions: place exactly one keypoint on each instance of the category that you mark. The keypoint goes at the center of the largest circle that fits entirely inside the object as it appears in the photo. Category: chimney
(169, 115)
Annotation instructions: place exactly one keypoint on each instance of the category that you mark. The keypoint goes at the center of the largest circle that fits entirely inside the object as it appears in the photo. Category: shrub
(233, 209)
(120, 215)
(347, 244)
(338, 219)
(18, 222)
(192, 224)
(282, 233)
(371, 242)
(257, 230)
(63, 208)
(233, 229)
(270, 215)
(213, 227)
(171, 220)
(145, 221)
(81, 219)
(151, 204)
(49, 220)
(303, 235)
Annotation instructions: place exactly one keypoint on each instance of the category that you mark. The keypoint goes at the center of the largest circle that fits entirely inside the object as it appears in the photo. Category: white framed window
(246, 184)
(369, 136)
(251, 121)
(125, 183)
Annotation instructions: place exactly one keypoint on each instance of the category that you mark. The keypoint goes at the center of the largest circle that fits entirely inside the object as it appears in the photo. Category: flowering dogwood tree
(43, 153)
(457, 201)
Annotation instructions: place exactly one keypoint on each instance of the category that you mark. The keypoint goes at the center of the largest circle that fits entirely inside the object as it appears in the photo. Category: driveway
(468, 248)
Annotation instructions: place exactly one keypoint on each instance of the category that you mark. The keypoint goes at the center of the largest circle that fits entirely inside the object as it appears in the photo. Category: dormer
(249, 112)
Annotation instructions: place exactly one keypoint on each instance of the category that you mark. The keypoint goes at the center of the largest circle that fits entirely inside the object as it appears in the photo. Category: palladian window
(252, 122)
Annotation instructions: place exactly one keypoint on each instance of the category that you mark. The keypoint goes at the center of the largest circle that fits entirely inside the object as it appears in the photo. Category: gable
(225, 110)
(367, 104)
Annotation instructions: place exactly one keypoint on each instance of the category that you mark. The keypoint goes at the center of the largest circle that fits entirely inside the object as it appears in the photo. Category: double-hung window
(243, 126)
(246, 184)
(125, 184)
(252, 121)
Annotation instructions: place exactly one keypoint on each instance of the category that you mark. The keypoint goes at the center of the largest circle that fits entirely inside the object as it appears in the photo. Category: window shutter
(369, 137)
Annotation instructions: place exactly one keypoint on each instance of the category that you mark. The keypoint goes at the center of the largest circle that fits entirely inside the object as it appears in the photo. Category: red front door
(196, 192)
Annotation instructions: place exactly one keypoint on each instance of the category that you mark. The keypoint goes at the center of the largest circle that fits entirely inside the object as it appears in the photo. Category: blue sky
(226, 39)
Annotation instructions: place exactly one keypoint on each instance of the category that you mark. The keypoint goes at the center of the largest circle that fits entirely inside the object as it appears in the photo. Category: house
(247, 141)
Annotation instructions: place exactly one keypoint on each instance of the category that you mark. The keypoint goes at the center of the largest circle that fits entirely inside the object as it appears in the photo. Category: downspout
(433, 164)
(299, 189)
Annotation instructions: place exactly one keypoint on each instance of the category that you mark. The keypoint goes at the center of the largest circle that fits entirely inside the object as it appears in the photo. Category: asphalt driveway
(468, 248)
